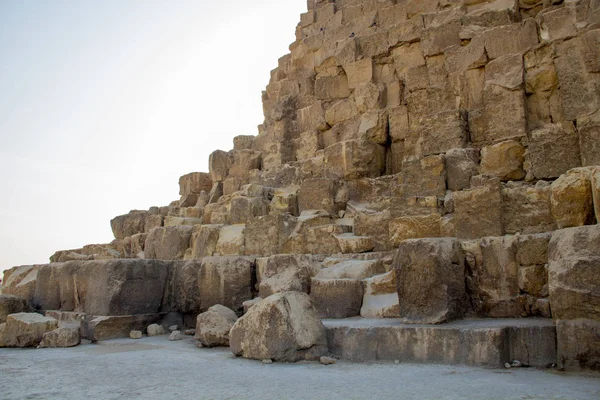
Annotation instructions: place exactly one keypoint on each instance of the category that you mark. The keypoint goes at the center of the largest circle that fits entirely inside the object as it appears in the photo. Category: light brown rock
(213, 326)
(571, 199)
(61, 337)
(25, 329)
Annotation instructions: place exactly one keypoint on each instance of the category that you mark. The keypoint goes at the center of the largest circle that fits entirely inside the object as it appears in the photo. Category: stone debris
(25, 329)
(189, 332)
(213, 326)
(10, 304)
(135, 334)
(327, 360)
(175, 335)
(155, 330)
(61, 337)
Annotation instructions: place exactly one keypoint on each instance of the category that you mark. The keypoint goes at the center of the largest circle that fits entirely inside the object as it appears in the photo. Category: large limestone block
(526, 208)
(374, 127)
(504, 160)
(430, 276)
(281, 273)
(322, 239)
(265, 235)
(353, 159)
(168, 243)
(572, 199)
(129, 224)
(423, 177)
(96, 328)
(503, 114)
(589, 139)
(312, 117)
(194, 183)
(435, 40)
(359, 72)
(578, 344)
(55, 289)
(213, 326)
(332, 87)
(380, 298)
(461, 165)
(203, 242)
(25, 329)
(61, 337)
(374, 224)
(352, 269)
(282, 327)
(231, 240)
(21, 281)
(10, 304)
(440, 132)
(351, 244)
(317, 194)
(413, 227)
(553, 150)
(243, 208)
(219, 163)
(478, 212)
(226, 281)
(574, 273)
(510, 39)
(337, 298)
(120, 287)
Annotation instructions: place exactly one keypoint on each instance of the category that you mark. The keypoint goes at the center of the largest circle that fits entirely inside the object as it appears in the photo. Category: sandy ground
(154, 368)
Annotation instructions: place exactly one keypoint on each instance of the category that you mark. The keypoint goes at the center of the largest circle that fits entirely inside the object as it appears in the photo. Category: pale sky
(105, 103)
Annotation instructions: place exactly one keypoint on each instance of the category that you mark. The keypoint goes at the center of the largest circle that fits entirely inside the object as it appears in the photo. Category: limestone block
(359, 72)
(194, 183)
(280, 273)
(370, 96)
(533, 249)
(558, 24)
(181, 221)
(372, 45)
(155, 330)
(553, 150)
(243, 142)
(380, 298)
(406, 32)
(478, 212)
(505, 71)
(61, 337)
(317, 194)
(332, 87)
(351, 269)
(213, 326)
(503, 114)
(243, 208)
(129, 224)
(55, 289)
(231, 240)
(413, 227)
(509, 39)
(423, 177)
(422, 102)
(226, 281)
(168, 243)
(244, 162)
(21, 281)
(10, 304)
(25, 329)
(461, 165)
(111, 327)
(438, 295)
(219, 163)
(526, 209)
(504, 160)
(120, 287)
(182, 294)
(336, 298)
(203, 241)
(312, 118)
(282, 327)
(374, 224)
(578, 344)
(353, 159)
(533, 280)
(322, 239)
(352, 244)
(374, 127)
(440, 132)
(573, 278)
(340, 111)
(589, 139)
(264, 235)
(434, 40)
(398, 123)
(571, 198)
(461, 58)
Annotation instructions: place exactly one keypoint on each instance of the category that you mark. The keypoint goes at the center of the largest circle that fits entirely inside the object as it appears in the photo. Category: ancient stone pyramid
(420, 161)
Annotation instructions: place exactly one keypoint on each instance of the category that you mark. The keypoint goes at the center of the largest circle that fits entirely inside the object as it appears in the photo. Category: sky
(104, 104)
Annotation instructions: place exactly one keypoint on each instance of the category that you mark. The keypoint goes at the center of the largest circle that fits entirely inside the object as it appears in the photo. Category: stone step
(478, 342)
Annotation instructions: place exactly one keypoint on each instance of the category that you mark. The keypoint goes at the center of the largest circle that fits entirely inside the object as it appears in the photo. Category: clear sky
(105, 103)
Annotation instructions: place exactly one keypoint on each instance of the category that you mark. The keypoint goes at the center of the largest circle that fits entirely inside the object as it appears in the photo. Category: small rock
(327, 360)
(516, 364)
(190, 332)
(200, 345)
(155, 330)
(396, 361)
(507, 365)
(135, 334)
(267, 361)
(175, 335)
(173, 328)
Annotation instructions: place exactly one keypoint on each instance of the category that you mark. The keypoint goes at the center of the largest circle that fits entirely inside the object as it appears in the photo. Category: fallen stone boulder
(10, 304)
(155, 330)
(213, 326)
(380, 298)
(282, 327)
(61, 337)
(25, 329)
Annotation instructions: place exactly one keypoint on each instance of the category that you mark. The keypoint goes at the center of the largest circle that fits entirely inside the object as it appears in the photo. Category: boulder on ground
(135, 334)
(10, 304)
(61, 337)
(430, 276)
(25, 329)
(155, 330)
(282, 327)
(213, 326)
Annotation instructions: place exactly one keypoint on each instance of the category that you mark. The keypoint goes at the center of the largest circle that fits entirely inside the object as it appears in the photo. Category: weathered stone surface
(219, 164)
(10, 304)
(203, 241)
(553, 150)
(504, 160)
(55, 289)
(423, 177)
(526, 208)
(478, 212)
(168, 243)
(351, 269)
(352, 244)
(571, 198)
(213, 326)
(430, 279)
(317, 194)
(280, 273)
(194, 183)
(413, 227)
(129, 224)
(573, 278)
(226, 281)
(461, 165)
(265, 235)
(231, 240)
(112, 327)
(25, 329)
(282, 327)
(61, 337)
(120, 287)
(578, 344)
(336, 298)
(176, 335)
(155, 330)
(380, 298)
(589, 139)
(21, 281)
(353, 159)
